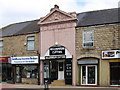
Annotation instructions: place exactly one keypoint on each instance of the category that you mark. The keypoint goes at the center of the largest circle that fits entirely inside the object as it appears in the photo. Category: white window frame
(1, 46)
(88, 41)
(29, 41)
(87, 74)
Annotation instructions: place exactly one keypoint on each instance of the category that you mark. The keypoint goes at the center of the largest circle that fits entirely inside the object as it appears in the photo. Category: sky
(15, 11)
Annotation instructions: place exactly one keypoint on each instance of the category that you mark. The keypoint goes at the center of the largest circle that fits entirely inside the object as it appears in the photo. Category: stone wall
(17, 45)
(106, 37)
(119, 35)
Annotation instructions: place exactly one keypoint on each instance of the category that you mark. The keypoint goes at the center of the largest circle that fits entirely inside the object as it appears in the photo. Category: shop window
(29, 71)
(46, 71)
(88, 38)
(1, 46)
(31, 43)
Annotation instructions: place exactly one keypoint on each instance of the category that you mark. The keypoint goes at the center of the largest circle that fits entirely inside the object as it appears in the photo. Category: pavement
(6, 86)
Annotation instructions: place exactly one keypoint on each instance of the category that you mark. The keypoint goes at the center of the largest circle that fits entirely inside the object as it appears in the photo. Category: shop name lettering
(57, 51)
(60, 48)
(24, 61)
(54, 57)
(31, 58)
(54, 52)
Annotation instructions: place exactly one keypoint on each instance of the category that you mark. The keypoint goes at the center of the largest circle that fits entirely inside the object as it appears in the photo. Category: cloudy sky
(14, 11)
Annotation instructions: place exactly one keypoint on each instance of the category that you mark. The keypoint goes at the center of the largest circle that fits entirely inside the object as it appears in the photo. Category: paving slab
(6, 86)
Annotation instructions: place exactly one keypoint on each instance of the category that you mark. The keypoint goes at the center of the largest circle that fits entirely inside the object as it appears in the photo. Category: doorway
(89, 75)
(18, 74)
(115, 73)
(61, 71)
(54, 70)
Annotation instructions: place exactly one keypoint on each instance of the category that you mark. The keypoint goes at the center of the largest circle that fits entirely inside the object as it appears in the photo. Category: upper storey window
(1, 46)
(31, 43)
(88, 38)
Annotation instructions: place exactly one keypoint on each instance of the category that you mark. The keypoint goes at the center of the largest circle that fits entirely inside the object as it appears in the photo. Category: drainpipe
(38, 67)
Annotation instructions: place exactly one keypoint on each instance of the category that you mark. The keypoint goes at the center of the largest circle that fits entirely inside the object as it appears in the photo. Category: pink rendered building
(57, 46)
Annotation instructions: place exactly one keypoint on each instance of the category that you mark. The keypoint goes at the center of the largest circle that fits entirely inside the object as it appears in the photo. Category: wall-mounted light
(56, 43)
(25, 44)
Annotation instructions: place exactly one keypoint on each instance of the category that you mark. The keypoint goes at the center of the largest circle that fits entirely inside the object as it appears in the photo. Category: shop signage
(57, 50)
(55, 57)
(111, 54)
(24, 60)
(88, 62)
(4, 59)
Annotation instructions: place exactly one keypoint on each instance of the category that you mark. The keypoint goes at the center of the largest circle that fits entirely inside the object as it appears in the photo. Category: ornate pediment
(56, 15)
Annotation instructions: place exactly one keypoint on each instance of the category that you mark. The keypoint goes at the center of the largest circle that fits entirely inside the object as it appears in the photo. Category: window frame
(29, 41)
(86, 74)
(1, 46)
(88, 41)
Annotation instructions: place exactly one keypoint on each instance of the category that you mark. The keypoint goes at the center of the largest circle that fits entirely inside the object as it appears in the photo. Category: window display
(29, 71)
(26, 74)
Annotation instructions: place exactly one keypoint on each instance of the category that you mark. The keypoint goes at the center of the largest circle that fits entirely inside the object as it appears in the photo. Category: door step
(58, 83)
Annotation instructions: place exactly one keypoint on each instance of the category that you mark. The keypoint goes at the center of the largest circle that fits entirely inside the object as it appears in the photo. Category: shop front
(26, 69)
(88, 71)
(5, 69)
(57, 65)
(113, 57)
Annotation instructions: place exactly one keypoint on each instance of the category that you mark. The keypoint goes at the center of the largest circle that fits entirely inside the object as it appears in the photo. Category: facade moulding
(58, 21)
(88, 56)
(57, 26)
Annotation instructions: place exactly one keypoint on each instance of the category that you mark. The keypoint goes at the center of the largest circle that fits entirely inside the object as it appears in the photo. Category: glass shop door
(89, 75)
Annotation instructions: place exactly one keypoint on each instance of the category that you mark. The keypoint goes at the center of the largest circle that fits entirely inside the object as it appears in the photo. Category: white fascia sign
(111, 54)
(24, 60)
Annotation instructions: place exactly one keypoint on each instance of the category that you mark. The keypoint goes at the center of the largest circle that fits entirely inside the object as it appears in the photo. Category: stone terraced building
(63, 49)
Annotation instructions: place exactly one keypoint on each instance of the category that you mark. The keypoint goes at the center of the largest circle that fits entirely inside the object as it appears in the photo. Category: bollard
(46, 85)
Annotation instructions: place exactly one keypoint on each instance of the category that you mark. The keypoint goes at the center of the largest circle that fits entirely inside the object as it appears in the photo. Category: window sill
(89, 48)
(30, 50)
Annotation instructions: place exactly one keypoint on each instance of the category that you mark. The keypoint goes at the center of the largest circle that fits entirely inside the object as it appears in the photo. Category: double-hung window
(31, 43)
(1, 46)
(88, 38)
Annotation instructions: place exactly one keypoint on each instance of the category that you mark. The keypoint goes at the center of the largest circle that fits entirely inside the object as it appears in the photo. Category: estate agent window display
(26, 73)
(26, 69)
(29, 71)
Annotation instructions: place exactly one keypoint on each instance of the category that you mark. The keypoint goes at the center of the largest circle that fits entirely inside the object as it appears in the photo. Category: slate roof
(21, 28)
(90, 18)
(98, 17)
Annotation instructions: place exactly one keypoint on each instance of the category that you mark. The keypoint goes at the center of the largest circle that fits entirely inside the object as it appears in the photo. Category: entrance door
(18, 74)
(61, 71)
(89, 75)
(115, 73)
(54, 70)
